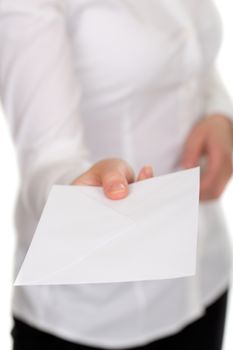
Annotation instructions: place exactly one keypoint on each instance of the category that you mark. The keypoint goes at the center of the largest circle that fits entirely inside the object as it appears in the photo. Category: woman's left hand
(212, 137)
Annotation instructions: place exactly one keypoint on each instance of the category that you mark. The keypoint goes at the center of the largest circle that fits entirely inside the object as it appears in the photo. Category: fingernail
(117, 188)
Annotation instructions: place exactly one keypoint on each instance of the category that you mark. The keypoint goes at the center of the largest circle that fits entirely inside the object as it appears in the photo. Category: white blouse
(83, 80)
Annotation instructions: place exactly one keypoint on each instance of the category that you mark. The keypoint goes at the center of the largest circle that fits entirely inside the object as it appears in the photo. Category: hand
(211, 137)
(113, 175)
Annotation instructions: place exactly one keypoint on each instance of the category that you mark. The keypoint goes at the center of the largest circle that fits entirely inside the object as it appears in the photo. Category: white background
(9, 183)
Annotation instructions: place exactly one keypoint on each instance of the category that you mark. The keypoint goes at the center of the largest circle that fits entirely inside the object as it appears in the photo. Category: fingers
(213, 141)
(216, 174)
(210, 173)
(145, 173)
(113, 174)
(193, 148)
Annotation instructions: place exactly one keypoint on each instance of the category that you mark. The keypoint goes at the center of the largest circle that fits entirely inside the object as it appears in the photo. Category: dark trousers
(204, 334)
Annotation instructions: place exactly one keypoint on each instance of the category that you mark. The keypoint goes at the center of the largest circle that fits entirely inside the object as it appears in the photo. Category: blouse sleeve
(40, 96)
(217, 98)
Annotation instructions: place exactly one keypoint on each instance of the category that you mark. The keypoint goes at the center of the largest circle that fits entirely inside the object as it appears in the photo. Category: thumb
(113, 175)
(193, 149)
(115, 180)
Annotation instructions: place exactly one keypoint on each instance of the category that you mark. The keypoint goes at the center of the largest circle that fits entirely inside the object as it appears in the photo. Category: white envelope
(84, 237)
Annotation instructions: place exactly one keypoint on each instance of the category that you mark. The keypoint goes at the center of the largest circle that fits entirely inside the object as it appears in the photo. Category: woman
(96, 91)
